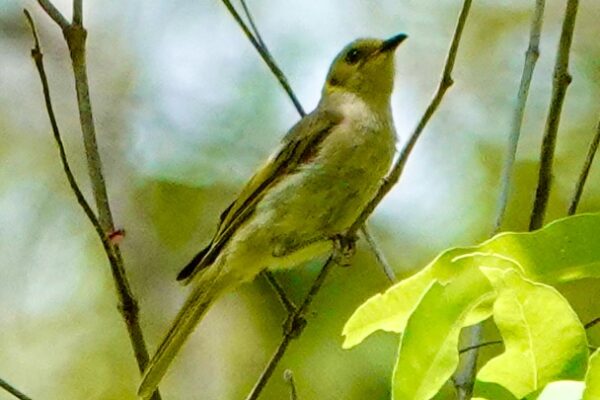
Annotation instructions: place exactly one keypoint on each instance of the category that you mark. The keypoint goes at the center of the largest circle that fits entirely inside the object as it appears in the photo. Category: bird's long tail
(211, 283)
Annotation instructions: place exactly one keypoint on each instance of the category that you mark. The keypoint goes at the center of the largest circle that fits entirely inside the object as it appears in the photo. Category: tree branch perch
(296, 322)
(103, 225)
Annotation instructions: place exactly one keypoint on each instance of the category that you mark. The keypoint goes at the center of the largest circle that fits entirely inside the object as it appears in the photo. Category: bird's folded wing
(299, 145)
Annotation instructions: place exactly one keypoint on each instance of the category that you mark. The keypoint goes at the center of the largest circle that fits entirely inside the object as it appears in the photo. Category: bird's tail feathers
(211, 284)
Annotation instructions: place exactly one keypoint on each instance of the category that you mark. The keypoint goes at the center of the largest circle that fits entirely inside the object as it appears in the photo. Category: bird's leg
(344, 247)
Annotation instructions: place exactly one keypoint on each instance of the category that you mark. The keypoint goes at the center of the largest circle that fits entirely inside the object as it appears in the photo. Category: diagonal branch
(379, 255)
(128, 307)
(584, 172)
(12, 390)
(560, 83)
(264, 53)
(479, 345)
(443, 86)
(292, 329)
(54, 14)
(296, 322)
(592, 323)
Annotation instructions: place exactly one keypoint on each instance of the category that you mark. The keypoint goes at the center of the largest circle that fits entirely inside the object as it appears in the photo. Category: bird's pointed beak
(392, 43)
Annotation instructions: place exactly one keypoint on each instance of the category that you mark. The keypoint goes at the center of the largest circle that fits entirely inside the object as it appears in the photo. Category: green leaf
(428, 353)
(544, 339)
(565, 250)
(592, 378)
(390, 311)
(562, 390)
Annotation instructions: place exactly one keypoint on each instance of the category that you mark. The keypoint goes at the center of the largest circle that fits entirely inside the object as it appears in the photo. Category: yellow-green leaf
(428, 353)
(592, 378)
(567, 249)
(543, 337)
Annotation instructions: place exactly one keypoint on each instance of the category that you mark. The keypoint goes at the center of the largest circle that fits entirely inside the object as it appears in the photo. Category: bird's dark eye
(352, 56)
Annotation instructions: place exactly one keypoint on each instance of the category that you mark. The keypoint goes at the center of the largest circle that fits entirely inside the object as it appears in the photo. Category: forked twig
(75, 35)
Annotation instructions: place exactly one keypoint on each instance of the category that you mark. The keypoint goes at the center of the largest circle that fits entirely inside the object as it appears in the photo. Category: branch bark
(75, 36)
(12, 390)
(561, 80)
(585, 170)
(531, 56)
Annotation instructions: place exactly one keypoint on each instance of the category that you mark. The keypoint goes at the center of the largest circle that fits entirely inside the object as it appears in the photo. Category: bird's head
(365, 68)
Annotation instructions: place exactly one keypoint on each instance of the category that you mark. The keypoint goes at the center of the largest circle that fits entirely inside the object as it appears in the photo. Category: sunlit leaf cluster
(511, 279)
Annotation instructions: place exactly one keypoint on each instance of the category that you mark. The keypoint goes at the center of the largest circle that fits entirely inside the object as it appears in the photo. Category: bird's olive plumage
(311, 190)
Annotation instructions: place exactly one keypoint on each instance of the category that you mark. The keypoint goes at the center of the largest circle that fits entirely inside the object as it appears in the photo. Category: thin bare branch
(37, 56)
(53, 13)
(385, 265)
(77, 12)
(266, 56)
(255, 30)
(128, 307)
(293, 328)
(443, 86)
(561, 80)
(531, 56)
(12, 390)
(592, 323)
(584, 172)
(288, 375)
(287, 304)
(479, 345)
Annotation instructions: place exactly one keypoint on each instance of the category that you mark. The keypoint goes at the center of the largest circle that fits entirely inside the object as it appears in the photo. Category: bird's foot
(294, 325)
(344, 247)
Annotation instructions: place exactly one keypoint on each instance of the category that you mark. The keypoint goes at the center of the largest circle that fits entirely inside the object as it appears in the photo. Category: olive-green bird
(311, 190)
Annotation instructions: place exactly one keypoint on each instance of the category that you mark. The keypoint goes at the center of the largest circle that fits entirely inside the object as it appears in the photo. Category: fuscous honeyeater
(311, 190)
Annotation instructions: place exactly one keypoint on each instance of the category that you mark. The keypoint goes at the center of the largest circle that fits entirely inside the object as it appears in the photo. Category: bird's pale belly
(322, 199)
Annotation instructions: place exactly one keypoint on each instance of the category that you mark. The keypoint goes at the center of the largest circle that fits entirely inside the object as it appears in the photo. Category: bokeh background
(185, 110)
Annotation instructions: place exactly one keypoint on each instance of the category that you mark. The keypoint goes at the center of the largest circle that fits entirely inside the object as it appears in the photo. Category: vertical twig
(531, 56)
(77, 12)
(75, 36)
(585, 170)
(560, 83)
(465, 375)
(12, 390)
